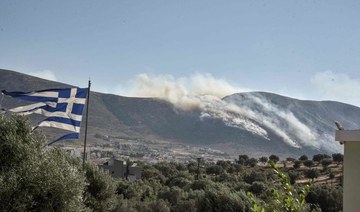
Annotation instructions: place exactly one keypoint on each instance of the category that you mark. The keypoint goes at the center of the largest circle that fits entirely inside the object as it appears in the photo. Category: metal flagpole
(86, 124)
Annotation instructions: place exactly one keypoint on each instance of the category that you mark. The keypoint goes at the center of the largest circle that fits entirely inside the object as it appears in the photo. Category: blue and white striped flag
(62, 107)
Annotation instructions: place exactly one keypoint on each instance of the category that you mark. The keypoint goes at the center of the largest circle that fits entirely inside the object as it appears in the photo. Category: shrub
(318, 157)
(263, 160)
(338, 157)
(325, 163)
(222, 199)
(293, 175)
(100, 192)
(254, 176)
(274, 158)
(328, 198)
(257, 188)
(252, 162)
(312, 173)
(214, 169)
(242, 159)
(172, 195)
(297, 164)
(303, 158)
(179, 181)
(308, 163)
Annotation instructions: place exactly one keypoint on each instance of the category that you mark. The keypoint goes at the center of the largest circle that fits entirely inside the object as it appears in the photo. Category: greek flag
(62, 107)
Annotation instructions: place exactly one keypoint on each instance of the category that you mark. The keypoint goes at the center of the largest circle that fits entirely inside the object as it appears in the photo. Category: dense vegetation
(36, 178)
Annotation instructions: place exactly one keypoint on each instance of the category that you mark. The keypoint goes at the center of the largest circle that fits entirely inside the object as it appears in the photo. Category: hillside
(299, 123)
(256, 123)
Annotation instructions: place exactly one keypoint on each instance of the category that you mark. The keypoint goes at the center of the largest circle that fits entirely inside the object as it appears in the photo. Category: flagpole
(86, 124)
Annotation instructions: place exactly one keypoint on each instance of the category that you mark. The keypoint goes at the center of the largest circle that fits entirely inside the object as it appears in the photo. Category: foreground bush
(326, 197)
(35, 178)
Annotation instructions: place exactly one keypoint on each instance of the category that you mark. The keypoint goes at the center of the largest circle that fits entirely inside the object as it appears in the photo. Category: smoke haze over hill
(205, 93)
(194, 111)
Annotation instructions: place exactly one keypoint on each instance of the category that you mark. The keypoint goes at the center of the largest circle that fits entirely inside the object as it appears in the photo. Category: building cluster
(122, 169)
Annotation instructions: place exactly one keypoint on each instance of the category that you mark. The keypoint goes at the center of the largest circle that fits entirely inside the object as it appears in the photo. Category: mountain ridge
(156, 119)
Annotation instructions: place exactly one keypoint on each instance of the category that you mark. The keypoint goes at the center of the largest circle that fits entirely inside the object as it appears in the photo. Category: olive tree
(263, 160)
(33, 178)
(274, 158)
(338, 157)
(36, 178)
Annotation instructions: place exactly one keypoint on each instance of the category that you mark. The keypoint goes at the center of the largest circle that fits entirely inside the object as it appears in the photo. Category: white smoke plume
(282, 122)
(168, 87)
(194, 92)
(45, 74)
(204, 92)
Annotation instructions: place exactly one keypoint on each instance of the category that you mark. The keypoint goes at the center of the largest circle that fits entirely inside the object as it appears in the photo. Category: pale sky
(306, 49)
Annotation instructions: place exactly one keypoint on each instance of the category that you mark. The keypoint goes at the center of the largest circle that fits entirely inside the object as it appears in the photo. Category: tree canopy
(34, 177)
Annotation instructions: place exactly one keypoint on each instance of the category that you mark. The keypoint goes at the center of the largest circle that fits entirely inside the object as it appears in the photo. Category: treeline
(34, 178)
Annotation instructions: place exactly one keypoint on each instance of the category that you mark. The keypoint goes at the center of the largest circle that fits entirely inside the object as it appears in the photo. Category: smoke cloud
(167, 86)
(204, 92)
(283, 123)
(195, 92)
(45, 74)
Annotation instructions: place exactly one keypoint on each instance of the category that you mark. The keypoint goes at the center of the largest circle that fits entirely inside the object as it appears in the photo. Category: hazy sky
(304, 49)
